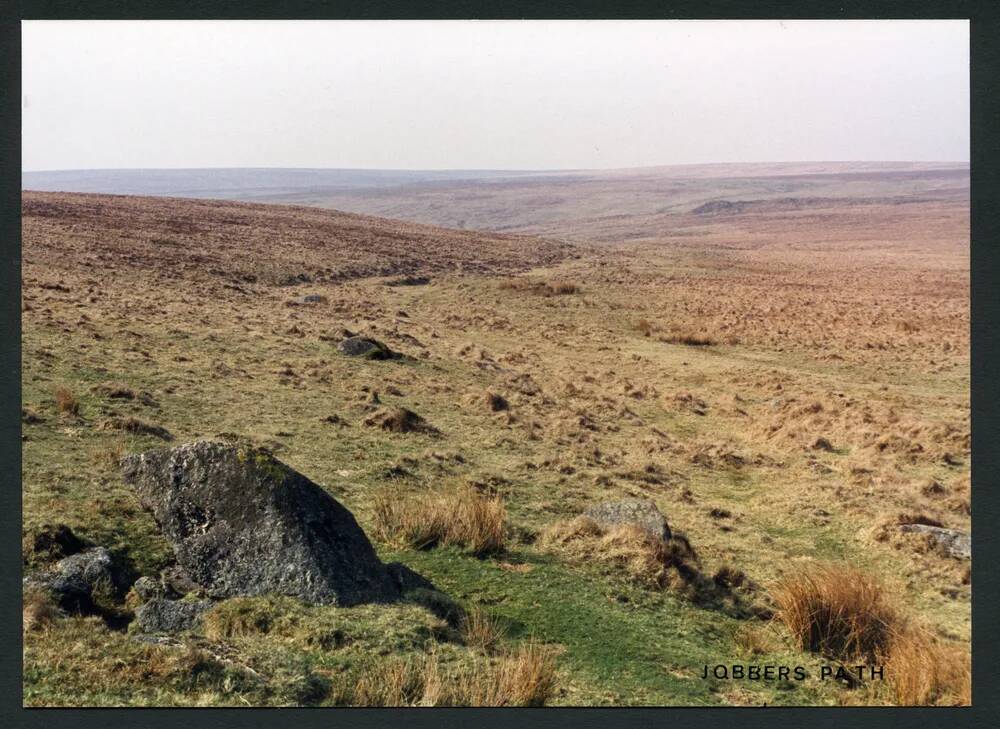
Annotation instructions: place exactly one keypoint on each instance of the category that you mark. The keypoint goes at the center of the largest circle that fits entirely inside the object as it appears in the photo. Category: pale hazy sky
(507, 94)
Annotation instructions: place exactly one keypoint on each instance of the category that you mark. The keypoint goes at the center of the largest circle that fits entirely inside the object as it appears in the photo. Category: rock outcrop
(638, 512)
(243, 523)
(951, 541)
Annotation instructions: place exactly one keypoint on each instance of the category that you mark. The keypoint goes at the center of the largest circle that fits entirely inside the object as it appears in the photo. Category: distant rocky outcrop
(642, 513)
(243, 523)
(951, 541)
(716, 207)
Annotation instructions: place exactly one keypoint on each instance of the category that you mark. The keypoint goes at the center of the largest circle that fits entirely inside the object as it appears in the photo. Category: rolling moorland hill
(786, 382)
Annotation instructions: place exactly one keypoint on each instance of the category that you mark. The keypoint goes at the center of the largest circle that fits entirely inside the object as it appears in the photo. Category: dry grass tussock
(461, 516)
(38, 612)
(542, 288)
(644, 559)
(523, 676)
(848, 615)
(66, 402)
(689, 338)
(480, 630)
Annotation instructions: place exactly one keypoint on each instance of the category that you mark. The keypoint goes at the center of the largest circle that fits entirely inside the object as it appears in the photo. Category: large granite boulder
(951, 541)
(243, 523)
(638, 512)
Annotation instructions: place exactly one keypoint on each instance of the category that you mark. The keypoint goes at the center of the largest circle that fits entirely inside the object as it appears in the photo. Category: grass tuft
(66, 402)
(460, 517)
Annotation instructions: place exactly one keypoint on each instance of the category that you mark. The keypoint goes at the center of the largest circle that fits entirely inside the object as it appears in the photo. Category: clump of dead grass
(400, 420)
(459, 516)
(645, 559)
(839, 611)
(524, 676)
(542, 288)
(848, 615)
(481, 630)
(66, 401)
(691, 339)
(135, 426)
(645, 328)
(921, 670)
(38, 611)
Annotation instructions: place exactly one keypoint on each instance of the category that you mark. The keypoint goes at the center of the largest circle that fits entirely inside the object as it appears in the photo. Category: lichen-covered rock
(365, 347)
(70, 592)
(97, 568)
(243, 523)
(148, 588)
(160, 615)
(639, 512)
(951, 541)
(74, 580)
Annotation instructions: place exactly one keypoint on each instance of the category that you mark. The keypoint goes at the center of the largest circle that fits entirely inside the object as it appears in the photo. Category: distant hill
(240, 183)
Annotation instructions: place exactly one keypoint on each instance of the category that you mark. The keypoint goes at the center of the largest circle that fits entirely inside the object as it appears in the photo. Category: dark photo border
(984, 18)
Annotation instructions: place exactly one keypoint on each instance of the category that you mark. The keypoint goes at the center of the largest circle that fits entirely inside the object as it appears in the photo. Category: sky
(490, 94)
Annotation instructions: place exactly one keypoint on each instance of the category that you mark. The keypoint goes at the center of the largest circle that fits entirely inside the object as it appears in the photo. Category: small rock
(94, 566)
(954, 543)
(160, 615)
(365, 347)
(70, 593)
(643, 513)
(147, 588)
(307, 299)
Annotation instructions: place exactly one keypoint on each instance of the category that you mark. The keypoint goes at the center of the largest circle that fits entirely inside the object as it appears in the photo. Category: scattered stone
(953, 542)
(70, 593)
(643, 513)
(176, 583)
(367, 348)
(97, 568)
(160, 615)
(75, 578)
(307, 299)
(147, 588)
(243, 523)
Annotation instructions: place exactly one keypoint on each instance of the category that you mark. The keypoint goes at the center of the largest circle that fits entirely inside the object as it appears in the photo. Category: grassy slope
(221, 362)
